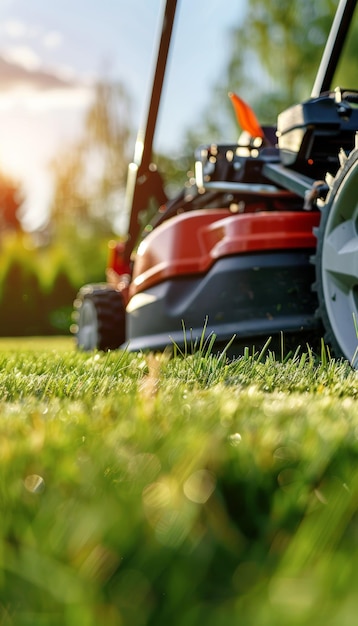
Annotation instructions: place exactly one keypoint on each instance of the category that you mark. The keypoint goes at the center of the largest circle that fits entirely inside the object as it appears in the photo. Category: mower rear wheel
(337, 261)
(100, 313)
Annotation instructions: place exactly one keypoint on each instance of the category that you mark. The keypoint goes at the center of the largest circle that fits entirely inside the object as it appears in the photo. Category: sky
(52, 52)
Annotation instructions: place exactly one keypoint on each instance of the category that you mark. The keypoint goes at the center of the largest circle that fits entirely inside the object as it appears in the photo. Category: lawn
(48, 344)
(144, 490)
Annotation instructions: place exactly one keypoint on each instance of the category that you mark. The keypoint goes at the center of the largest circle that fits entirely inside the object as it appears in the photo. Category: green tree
(283, 40)
(90, 176)
(275, 54)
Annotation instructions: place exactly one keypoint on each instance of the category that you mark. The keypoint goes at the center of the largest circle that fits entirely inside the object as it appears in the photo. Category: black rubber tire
(336, 261)
(99, 318)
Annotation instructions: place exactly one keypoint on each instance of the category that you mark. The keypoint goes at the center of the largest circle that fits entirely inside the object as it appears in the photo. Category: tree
(90, 176)
(275, 54)
(283, 40)
(11, 199)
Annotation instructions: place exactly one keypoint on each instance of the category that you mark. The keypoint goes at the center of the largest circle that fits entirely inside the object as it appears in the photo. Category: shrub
(28, 307)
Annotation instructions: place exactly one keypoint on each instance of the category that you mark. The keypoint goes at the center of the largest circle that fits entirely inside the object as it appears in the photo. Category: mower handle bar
(333, 47)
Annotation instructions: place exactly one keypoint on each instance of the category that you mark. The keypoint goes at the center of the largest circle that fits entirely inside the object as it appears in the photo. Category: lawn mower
(262, 241)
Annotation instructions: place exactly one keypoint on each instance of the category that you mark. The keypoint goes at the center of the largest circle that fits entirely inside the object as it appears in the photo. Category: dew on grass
(235, 439)
(199, 486)
(34, 483)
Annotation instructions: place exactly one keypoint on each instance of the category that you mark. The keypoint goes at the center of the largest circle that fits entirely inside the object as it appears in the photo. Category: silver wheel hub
(340, 264)
(87, 335)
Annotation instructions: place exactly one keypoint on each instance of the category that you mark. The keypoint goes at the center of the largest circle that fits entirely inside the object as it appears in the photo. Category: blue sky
(51, 54)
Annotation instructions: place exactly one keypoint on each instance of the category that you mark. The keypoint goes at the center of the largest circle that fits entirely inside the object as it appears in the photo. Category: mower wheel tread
(337, 280)
(100, 318)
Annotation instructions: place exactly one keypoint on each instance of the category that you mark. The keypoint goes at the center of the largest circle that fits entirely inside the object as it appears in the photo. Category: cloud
(77, 98)
(16, 29)
(22, 68)
(22, 53)
(23, 56)
(26, 77)
(52, 39)
(25, 84)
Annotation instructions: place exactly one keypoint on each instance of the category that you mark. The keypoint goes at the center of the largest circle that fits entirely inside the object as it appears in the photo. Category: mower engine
(234, 250)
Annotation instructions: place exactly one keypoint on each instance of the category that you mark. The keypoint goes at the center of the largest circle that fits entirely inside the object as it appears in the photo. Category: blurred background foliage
(41, 271)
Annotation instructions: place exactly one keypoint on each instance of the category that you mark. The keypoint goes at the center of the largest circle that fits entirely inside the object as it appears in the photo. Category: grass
(57, 343)
(142, 490)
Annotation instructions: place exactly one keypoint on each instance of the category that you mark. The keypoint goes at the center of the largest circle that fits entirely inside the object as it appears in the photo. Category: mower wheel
(336, 260)
(100, 318)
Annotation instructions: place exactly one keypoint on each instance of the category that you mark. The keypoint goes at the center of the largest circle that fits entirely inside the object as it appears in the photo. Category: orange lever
(245, 116)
